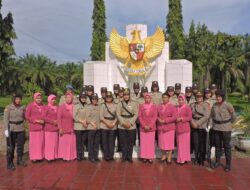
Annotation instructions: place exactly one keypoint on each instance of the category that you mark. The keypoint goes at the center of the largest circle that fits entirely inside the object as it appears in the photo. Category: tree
(175, 31)
(99, 33)
(246, 50)
(7, 34)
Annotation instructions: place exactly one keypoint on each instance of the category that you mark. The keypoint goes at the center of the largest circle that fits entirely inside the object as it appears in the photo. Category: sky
(61, 29)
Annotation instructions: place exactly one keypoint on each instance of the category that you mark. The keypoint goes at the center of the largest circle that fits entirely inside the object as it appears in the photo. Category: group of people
(193, 122)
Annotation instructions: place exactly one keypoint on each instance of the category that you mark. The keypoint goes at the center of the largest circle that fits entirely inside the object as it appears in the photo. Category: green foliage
(174, 29)
(99, 37)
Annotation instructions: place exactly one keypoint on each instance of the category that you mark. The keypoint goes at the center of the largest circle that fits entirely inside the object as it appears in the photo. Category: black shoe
(20, 162)
(92, 160)
(227, 169)
(163, 160)
(144, 160)
(49, 161)
(124, 160)
(97, 159)
(79, 158)
(201, 163)
(130, 160)
(169, 162)
(196, 162)
(11, 166)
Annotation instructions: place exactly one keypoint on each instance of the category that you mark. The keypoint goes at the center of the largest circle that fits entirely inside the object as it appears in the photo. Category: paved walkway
(116, 175)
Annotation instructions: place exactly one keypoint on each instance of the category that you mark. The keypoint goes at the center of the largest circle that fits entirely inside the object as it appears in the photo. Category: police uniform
(108, 127)
(14, 117)
(135, 95)
(172, 99)
(79, 113)
(116, 89)
(221, 119)
(156, 96)
(200, 116)
(90, 93)
(127, 113)
(189, 99)
(121, 90)
(103, 93)
(93, 118)
(213, 89)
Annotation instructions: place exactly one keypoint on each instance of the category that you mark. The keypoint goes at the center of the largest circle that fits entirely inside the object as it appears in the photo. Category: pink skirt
(147, 145)
(51, 145)
(166, 140)
(67, 146)
(36, 145)
(183, 144)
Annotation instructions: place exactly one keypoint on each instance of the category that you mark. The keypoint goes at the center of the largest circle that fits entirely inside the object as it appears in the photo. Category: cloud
(62, 29)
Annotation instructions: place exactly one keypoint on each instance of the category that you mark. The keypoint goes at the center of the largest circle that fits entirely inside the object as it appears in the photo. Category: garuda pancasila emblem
(137, 54)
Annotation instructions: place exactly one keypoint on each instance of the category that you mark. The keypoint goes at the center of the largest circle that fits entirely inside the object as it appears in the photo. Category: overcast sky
(61, 29)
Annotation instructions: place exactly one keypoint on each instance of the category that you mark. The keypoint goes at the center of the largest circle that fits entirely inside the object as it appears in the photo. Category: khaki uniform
(101, 101)
(222, 116)
(88, 102)
(105, 115)
(213, 98)
(14, 117)
(124, 117)
(79, 114)
(62, 100)
(135, 97)
(192, 100)
(116, 99)
(93, 115)
(174, 100)
(200, 114)
(156, 97)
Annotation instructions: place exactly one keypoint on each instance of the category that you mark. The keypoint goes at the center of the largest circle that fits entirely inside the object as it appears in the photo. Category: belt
(127, 116)
(196, 118)
(109, 118)
(221, 122)
(16, 122)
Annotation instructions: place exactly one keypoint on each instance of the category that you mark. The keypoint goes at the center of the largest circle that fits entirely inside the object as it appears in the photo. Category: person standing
(67, 138)
(166, 128)
(172, 97)
(189, 97)
(51, 135)
(90, 92)
(116, 97)
(199, 124)
(213, 89)
(155, 93)
(184, 116)
(103, 95)
(14, 116)
(221, 119)
(147, 117)
(108, 127)
(80, 125)
(69, 89)
(93, 122)
(121, 90)
(177, 89)
(33, 115)
(127, 113)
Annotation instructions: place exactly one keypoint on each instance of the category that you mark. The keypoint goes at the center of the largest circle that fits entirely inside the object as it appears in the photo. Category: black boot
(228, 165)
(20, 161)
(10, 165)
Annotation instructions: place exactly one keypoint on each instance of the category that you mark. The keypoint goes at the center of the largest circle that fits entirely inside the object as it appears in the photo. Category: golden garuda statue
(137, 54)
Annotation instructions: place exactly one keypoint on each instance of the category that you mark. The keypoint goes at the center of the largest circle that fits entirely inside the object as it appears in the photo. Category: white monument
(111, 71)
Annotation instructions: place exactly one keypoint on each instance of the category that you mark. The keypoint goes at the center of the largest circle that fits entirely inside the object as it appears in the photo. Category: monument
(137, 57)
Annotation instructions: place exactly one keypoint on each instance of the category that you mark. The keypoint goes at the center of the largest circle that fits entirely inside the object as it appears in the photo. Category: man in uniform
(213, 89)
(188, 94)
(90, 93)
(116, 88)
(221, 119)
(172, 97)
(144, 90)
(14, 116)
(121, 90)
(200, 114)
(103, 94)
(155, 93)
(69, 89)
(136, 94)
(127, 113)
(177, 89)
(195, 89)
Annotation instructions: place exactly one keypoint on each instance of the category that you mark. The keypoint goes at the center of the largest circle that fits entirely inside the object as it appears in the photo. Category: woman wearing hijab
(166, 128)
(184, 116)
(67, 138)
(33, 115)
(147, 117)
(51, 129)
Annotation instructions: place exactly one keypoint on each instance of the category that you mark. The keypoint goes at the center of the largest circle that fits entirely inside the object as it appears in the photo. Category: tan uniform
(213, 98)
(156, 97)
(79, 114)
(105, 115)
(200, 113)
(88, 102)
(192, 100)
(174, 100)
(135, 97)
(101, 101)
(62, 100)
(222, 116)
(124, 117)
(116, 100)
(93, 115)
(14, 117)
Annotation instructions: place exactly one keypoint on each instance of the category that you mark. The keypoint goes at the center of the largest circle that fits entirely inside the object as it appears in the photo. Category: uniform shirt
(116, 99)
(201, 121)
(101, 101)
(79, 114)
(135, 97)
(156, 97)
(88, 101)
(14, 113)
(132, 107)
(191, 100)
(104, 113)
(62, 100)
(174, 100)
(93, 115)
(222, 112)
